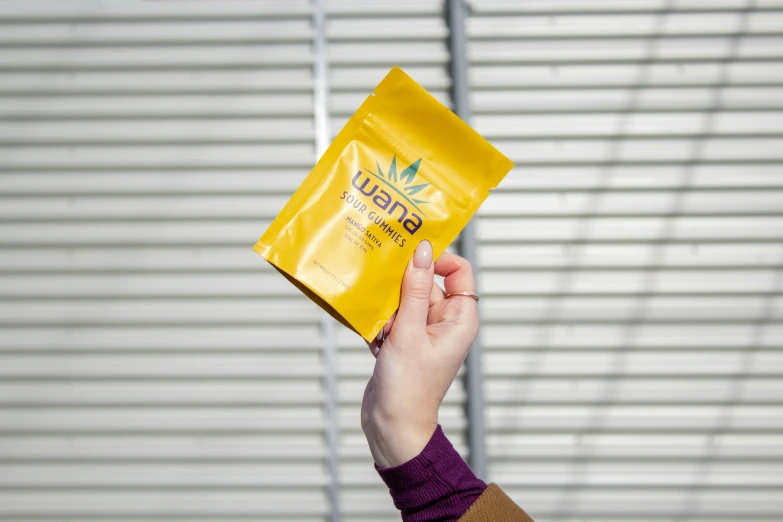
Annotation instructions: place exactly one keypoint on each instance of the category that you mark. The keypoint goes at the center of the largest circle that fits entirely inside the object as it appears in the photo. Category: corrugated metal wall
(153, 367)
(632, 260)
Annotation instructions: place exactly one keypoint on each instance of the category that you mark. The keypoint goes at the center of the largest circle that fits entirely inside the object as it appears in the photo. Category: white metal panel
(152, 367)
(632, 260)
(169, 80)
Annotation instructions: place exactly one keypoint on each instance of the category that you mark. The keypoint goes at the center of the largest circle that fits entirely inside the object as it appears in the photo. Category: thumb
(416, 291)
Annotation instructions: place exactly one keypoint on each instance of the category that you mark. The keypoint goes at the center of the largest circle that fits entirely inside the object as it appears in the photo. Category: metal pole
(329, 348)
(330, 404)
(474, 376)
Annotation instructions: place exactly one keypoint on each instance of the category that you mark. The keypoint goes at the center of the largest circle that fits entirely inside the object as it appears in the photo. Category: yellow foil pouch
(403, 169)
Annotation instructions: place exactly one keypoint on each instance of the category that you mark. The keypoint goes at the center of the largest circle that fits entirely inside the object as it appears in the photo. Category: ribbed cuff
(435, 485)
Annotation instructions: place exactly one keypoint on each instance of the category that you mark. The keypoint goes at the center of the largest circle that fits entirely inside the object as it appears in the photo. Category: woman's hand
(425, 344)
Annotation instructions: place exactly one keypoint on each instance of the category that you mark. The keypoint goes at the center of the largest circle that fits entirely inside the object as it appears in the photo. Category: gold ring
(466, 294)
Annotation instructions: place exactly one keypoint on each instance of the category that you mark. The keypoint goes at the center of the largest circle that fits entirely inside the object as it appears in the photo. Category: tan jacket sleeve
(494, 506)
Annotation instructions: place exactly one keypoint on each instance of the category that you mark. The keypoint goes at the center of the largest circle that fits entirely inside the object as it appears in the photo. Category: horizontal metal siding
(152, 366)
(632, 259)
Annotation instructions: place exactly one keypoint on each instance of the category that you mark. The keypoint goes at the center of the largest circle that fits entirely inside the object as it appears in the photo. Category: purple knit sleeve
(435, 485)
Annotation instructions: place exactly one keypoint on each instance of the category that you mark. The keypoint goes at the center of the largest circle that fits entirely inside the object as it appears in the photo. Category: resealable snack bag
(403, 169)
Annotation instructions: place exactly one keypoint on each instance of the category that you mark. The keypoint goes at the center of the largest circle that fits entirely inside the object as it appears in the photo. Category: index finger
(457, 273)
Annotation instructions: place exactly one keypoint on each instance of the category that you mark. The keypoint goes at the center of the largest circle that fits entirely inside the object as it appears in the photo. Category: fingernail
(380, 334)
(422, 258)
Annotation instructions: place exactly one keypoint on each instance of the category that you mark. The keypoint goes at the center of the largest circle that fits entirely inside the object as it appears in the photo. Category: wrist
(394, 441)
(437, 484)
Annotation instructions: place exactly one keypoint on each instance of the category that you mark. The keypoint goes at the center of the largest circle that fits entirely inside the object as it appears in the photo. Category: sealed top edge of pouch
(403, 169)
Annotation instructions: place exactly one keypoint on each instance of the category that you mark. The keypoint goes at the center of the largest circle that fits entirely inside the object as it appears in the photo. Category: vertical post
(329, 348)
(330, 404)
(474, 376)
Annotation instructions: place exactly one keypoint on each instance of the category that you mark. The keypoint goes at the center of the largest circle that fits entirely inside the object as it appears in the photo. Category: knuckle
(463, 263)
(419, 289)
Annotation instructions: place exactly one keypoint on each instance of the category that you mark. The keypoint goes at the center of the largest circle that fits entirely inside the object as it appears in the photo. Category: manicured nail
(380, 334)
(422, 258)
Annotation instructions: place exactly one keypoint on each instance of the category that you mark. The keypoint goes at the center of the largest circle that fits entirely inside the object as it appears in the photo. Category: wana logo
(399, 185)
